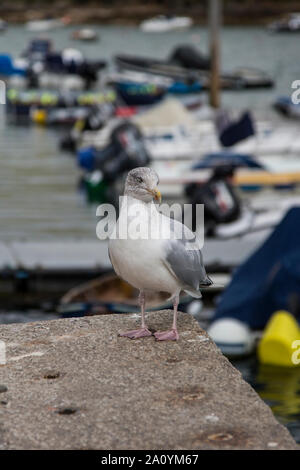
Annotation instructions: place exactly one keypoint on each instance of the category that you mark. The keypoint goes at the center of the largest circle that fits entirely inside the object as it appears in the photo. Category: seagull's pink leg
(171, 335)
(143, 331)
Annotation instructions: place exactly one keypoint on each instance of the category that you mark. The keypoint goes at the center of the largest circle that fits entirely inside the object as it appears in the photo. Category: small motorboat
(290, 24)
(50, 107)
(37, 50)
(138, 78)
(110, 294)
(139, 94)
(46, 24)
(185, 62)
(188, 64)
(48, 68)
(85, 34)
(164, 23)
(3, 25)
(286, 107)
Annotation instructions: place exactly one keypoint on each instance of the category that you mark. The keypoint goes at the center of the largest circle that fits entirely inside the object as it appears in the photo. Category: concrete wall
(74, 384)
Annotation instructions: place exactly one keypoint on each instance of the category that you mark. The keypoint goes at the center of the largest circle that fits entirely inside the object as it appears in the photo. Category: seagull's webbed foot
(171, 335)
(135, 334)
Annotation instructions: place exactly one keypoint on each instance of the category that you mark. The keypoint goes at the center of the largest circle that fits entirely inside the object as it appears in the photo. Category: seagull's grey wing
(186, 264)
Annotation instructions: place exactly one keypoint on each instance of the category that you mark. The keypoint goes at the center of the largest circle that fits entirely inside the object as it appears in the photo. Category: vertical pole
(214, 24)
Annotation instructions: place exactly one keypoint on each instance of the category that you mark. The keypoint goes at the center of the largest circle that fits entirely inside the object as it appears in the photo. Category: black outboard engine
(97, 116)
(190, 58)
(221, 203)
(125, 151)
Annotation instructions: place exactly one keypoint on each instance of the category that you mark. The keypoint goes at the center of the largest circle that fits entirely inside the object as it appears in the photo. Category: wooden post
(214, 24)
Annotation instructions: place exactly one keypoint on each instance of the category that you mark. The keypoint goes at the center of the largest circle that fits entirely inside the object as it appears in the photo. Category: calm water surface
(279, 387)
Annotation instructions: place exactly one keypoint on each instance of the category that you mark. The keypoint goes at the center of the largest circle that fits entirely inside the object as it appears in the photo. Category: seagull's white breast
(136, 257)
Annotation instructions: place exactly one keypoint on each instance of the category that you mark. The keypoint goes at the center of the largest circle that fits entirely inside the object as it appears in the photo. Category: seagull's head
(141, 183)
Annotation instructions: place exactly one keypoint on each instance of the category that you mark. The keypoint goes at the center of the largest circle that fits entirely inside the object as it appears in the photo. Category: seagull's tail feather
(193, 292)
(207, 282)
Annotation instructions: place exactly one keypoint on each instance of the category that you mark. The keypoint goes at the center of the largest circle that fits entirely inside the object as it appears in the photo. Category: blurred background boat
(285, 106)
(187, 63)
(109, 294)
(3, 25)
(46, 24)
(85, 34)
(289, 24)
(164, 23)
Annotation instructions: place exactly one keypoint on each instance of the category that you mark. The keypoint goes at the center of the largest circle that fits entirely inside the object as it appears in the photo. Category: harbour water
(38, 181)
(39, 196)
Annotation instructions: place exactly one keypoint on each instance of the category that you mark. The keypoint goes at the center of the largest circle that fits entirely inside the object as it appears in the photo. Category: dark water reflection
(279, 388)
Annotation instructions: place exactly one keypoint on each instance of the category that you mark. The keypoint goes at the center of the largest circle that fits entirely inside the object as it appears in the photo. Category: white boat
(290, 24)
(3, 25)
(136, 77)
(63, 81)
(44, 25)
(85, 34)
(172, 133)
(164, 23)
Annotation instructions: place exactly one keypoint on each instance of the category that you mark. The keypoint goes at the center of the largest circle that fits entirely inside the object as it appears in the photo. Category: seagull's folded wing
(183, 258)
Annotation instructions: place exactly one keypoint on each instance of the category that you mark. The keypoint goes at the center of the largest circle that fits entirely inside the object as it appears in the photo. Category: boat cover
(265, 282)
(212, 160)
(171, 112)
(231, 132)
(8, 68)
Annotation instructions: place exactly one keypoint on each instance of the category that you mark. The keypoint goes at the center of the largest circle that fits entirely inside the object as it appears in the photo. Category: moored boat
(137, 94)
(188, 64)
(3, 25)
(164, 23)
(285, 106)
(46, 24)
(85, 34)
(143, 78)
(289, 24)
(110, 294)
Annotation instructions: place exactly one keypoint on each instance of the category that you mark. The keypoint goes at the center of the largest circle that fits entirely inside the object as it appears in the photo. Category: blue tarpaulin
(265, 282)
(7, 67)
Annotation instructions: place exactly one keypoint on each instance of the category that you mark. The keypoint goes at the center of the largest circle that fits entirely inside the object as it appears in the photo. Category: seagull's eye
(139, 179)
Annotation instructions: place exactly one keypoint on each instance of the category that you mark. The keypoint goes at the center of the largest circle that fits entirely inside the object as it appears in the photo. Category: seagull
(151, 251)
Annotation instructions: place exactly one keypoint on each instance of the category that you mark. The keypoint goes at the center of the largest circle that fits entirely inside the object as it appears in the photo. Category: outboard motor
(221, 203)
(125, 151)
(190, 58)
(97, 116)
(129, 151)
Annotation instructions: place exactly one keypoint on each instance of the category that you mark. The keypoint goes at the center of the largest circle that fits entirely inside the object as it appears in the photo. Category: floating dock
(92, 255)
(34, 273)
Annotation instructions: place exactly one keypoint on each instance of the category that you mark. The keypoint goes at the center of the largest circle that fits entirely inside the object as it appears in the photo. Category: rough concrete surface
(74, 384)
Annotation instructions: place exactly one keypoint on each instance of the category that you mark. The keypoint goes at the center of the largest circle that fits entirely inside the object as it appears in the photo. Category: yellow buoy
(39, 116)
(280, 344)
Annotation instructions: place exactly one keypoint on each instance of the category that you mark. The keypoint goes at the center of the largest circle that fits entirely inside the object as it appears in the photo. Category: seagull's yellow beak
(156, 194)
